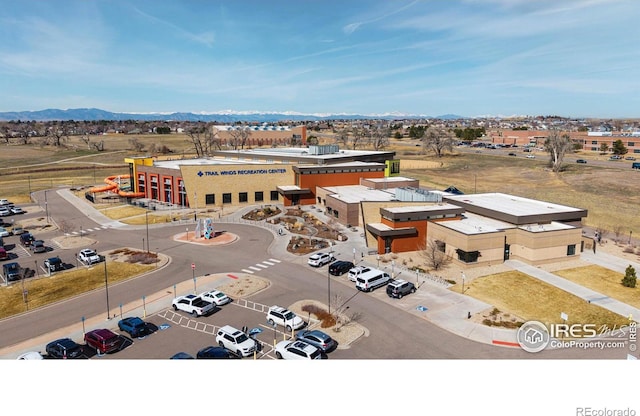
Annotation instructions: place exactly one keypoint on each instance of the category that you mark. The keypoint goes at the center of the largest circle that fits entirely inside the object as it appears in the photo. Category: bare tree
(433, 254)
(438, 141)
(200, 136)
(617, 231)
(57, 134)
(380, 138)
(357, 136)
(136, 144)
(342, 137)
(341, 313)
(99, 146)
(239, 136)
(66, 226)
(557, 145)
(87, 140)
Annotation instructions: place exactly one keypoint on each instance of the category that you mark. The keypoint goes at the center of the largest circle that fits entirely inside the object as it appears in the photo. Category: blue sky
(574, 58)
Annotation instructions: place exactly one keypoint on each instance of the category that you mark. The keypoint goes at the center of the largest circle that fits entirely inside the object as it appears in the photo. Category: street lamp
(106, 286)
(328, 290)
(193, 275)
(46, 206)
(630, 232)
(463, 276)
(146, 218)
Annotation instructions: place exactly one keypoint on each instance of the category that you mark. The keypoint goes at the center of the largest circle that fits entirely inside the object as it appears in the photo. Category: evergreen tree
(629, 279)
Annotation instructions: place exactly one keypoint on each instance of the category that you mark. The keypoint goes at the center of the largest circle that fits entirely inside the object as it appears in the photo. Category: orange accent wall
(332, 179)
(409, 243)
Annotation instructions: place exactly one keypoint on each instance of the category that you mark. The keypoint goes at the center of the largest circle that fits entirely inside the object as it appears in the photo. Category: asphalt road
(393, 332)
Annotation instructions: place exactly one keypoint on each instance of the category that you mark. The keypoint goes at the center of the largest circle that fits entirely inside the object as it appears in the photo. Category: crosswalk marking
(267, 262)
(261, 266)
(247, 271)
(274, 260)
(255, 268)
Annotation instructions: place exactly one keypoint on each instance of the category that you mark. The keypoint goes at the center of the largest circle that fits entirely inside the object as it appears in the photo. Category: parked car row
(365, 278)
(100, 341)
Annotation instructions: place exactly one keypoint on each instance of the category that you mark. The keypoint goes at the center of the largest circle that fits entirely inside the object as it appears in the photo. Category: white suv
(235, 341)
(357, 271)
(298, 350)
(284, 317)
(320, 259)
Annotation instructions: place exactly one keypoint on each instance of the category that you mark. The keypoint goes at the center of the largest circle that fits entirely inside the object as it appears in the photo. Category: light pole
(328, 290)
(106, 286)
(193, 274)
(393, 266)
(146, 219)
(378, 258)
(46, 206)
(463, 276)
(630, 232)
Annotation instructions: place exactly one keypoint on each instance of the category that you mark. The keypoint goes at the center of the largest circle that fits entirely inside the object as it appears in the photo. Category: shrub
(629, 279)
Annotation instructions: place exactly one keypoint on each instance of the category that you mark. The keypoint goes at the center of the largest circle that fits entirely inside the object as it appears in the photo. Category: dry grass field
(530, 299)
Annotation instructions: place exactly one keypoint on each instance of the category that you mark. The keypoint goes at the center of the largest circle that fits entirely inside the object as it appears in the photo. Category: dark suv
(64, 348)
(26, 239)
(103, 340)
(338, 268)
(399, 288)
(11, 271)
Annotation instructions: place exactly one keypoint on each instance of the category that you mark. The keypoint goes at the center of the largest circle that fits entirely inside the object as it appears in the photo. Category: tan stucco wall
(219, 179)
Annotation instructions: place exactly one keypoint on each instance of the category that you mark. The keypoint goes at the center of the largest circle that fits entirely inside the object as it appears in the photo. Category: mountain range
(96, 114)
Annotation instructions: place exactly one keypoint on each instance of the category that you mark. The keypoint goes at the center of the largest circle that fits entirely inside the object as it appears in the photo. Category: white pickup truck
(194, 305)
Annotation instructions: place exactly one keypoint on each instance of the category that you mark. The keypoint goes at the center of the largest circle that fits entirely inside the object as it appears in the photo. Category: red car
(103, 340)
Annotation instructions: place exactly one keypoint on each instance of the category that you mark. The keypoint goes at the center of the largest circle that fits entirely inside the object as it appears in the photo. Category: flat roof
(175, 164)
(390, 179)
(300, 152)
(511, 204)
(472, 224)
(357, 193)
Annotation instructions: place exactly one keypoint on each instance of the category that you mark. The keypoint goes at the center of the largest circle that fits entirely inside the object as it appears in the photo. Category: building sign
(241, 172)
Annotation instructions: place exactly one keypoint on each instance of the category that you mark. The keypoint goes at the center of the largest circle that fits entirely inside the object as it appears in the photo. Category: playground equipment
(113, 184)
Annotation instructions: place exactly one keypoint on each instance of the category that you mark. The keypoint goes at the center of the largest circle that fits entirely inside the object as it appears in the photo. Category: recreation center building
(364, 188)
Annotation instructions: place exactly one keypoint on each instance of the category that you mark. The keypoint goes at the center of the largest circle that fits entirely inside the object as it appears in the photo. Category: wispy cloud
(206, 38)
(352, 27)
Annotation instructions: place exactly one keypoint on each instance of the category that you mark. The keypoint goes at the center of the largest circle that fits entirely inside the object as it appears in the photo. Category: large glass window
(259, 196)
(210, 199)
(274, 195)
(243, 197)
(571, 250)
(226, 198)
